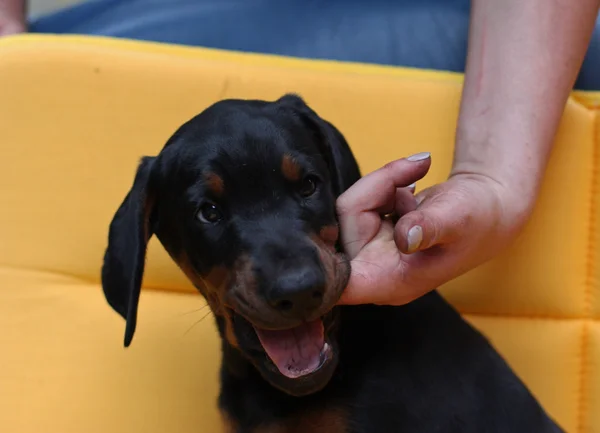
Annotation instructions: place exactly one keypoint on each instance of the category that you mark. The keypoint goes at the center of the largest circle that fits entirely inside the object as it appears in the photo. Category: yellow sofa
(77, 113)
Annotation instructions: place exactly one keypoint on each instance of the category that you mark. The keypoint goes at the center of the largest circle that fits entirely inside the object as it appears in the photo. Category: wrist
(513, 175)
(515, 158)
(505, 210)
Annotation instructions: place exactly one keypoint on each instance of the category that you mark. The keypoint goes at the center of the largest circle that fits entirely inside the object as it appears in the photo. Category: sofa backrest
(76, 115)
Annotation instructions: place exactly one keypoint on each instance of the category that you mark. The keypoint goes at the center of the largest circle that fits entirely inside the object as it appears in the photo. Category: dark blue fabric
(428, 34)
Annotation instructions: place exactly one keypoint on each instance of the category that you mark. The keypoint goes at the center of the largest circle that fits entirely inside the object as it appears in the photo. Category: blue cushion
(429, 34)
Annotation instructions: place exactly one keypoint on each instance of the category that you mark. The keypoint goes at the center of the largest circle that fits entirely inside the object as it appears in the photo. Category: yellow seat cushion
(77, 113)
(63, 370)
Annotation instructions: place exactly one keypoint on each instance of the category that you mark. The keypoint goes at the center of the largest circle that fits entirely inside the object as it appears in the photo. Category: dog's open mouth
(298, 351)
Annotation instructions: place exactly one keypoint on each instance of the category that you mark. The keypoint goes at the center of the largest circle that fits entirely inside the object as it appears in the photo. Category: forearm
(523, 60)
(13, 10)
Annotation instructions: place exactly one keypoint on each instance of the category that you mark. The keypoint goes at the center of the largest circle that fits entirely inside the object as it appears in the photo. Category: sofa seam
(589, 286)
(77, 279)
(527, 316)
(582, 405)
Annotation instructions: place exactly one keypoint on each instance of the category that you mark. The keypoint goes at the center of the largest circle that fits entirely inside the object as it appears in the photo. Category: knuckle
(389, 166)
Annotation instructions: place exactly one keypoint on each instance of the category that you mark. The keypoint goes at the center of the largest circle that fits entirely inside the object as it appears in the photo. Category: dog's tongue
(297, 351)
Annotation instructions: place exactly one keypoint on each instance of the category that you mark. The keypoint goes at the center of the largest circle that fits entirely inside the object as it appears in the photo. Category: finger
(359, 208)
(357, 230)
(432, 223)
(376, 189)
(405, 201)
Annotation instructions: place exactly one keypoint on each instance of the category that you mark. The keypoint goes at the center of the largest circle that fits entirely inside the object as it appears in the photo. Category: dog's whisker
(193, 311)
(198, 321)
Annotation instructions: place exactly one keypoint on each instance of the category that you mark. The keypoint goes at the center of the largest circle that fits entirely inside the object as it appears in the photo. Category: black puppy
(242, 197)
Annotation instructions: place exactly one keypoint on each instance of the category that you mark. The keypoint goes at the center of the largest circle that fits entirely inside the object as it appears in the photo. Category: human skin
(523, 59)
(12, 17)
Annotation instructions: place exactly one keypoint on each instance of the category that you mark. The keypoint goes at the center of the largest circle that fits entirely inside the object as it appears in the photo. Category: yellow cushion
(75, 116)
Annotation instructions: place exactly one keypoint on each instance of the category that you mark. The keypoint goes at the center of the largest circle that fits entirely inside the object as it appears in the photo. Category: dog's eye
(209, 213)
(308, 186)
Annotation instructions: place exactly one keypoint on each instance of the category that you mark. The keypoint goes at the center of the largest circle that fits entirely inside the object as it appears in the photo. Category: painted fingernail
(414, 237)
(419, 157)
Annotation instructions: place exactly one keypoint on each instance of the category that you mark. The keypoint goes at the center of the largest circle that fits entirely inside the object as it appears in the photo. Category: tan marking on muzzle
(245, 279)
(330, 260)
(212, 286)
(184, 264)
(330, 235)
(229, 331)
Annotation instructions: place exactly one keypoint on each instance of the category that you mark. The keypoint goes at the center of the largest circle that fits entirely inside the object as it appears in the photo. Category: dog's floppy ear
(341, 162)
(125, 255)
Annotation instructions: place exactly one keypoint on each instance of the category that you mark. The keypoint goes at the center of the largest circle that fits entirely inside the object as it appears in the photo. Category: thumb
(434, 222)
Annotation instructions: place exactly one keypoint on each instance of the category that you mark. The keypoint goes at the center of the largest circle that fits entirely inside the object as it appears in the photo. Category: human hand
(12, 17)
(443, 232)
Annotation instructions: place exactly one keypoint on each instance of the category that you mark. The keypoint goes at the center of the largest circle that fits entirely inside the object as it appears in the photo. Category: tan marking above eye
(215, 183)
(290, 168)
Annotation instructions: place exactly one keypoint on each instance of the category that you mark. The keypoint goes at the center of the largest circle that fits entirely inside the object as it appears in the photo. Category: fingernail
(412, 186)
(414, 237)
(419, 157)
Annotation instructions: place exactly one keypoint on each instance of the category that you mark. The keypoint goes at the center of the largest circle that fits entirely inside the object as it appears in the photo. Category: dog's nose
(298, 292)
